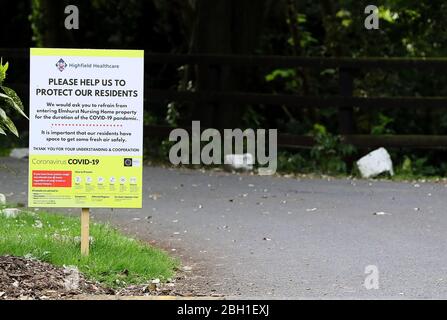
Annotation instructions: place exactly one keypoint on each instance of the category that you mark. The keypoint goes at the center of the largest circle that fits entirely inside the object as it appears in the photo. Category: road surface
(271, 237)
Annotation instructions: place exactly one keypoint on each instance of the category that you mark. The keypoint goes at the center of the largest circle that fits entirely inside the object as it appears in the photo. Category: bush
(330, 152)
(9, 100)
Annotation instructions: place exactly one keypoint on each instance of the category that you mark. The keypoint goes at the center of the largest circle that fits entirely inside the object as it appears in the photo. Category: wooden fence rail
(344, 102)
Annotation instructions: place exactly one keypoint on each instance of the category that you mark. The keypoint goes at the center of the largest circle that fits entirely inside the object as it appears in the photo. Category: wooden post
(345, 113)
(85, 231)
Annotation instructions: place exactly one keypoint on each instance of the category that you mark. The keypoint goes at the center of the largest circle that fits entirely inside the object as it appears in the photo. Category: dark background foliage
(324, 28)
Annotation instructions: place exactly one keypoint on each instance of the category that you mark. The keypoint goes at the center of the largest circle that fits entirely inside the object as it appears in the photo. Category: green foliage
(345, 17)
(3, 69)
(172, 114)
(285, 77)
(148, 118)
(294, 162)
(408, 28)
(252, 118)
(36, 20)
(387, 15)
(329, 152)
(8, 100)
(381, 127)
(407, 167)
(280, 73)
(329, 155)
(416, 167)
(115, 260)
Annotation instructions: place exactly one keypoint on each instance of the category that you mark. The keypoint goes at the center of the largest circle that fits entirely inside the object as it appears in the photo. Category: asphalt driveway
(272, 237)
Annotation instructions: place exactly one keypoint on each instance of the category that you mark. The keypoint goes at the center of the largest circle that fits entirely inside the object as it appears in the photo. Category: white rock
(10, 212)
(239, 161)
(19, 153)
(375, 163)
(2, 199)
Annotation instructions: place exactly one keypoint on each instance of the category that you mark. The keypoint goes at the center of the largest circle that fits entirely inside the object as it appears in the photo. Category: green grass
(114, 260)
(5, 152)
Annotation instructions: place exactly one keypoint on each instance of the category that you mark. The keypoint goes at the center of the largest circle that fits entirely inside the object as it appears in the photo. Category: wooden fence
(345, 101)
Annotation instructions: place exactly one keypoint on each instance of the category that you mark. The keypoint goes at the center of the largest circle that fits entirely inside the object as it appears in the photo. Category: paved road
(269, 237)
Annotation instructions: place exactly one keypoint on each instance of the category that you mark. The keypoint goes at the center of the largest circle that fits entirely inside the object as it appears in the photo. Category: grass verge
(114, 260)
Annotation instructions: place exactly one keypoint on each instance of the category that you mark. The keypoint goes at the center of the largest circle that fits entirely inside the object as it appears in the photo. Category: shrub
(9, 100)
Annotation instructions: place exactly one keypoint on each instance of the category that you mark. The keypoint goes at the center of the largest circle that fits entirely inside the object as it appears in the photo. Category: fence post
(345, 113)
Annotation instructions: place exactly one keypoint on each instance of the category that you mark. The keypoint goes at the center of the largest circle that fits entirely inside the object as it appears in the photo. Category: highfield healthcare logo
(61, 65)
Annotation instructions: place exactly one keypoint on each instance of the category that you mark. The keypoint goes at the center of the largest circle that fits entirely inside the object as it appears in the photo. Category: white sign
(86, 128)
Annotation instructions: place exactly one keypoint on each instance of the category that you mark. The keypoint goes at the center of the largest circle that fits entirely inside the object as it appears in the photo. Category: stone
(375, 163)
(242, 162)
(19, 153)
